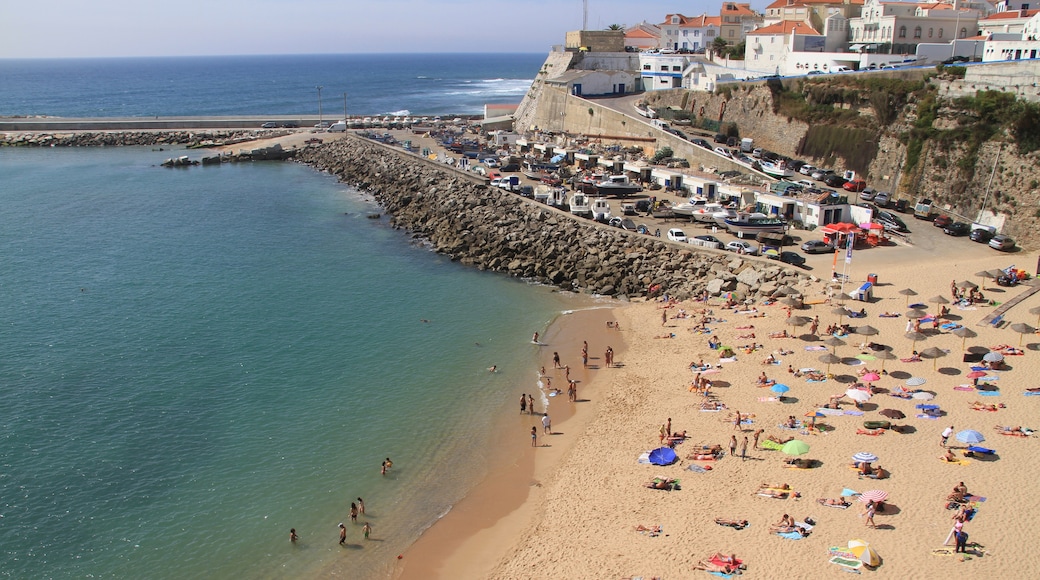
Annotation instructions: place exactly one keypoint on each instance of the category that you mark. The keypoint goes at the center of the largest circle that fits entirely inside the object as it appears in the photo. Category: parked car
(956, 59)
(942, 221)
(490, 162)
(806, 169)
(323, 125)
(866, 195)
(817, 247)
(701, 143)
(835, 180)
(881, 199)
(722, 151)
(983, 236)
(854, 185)
(269, 125)
(742, 247)
(957, 229)
(643, 206)
(1002, 243)
(510, 167)
(290, 125)
(792, 258)
(821, 174)
(891, 221)
(709, 238)
(676, 235)
(902, 206)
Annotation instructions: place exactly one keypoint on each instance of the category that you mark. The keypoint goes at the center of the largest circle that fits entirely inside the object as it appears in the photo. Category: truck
(923, 209)
(747, 145)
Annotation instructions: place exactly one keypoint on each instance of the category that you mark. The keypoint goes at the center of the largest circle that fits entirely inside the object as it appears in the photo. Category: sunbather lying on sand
(781, 334)
(772, 493)
(722, 568)
(873, 432)
(776, 439)
(815, 376)
(1017, 431)
(654, 530)
(840, 502)
(663, 483)
(735, 524)
(887, 314)
(748, 327)
(724, 559)
(779, 486)
(980, 406)
(799, 462)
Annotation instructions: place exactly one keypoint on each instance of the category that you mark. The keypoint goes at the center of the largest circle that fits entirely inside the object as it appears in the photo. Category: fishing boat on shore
(778, 170)
(751, 224)
(600, 210)
(688, 207)
(722, 215)
(618, 186)
(581, 205)
(706, 213)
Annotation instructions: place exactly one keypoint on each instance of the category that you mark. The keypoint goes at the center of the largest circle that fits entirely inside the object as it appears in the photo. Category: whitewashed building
(692, 33)
(898, 27)
(594, 82)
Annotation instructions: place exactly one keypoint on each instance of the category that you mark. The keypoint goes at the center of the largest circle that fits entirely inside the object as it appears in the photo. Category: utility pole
(585, 15)
(319, 87)
(344, 107)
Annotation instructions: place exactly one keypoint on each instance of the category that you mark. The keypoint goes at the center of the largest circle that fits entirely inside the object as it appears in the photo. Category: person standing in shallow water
(360, 506)
(530, 404)
(523, 403)
(292, 535)
(353, 512)
(342, 534)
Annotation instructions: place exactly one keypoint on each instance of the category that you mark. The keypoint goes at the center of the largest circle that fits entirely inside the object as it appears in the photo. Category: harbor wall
(491, 229)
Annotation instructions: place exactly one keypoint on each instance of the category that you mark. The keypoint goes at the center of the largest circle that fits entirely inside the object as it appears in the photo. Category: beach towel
(644, 458)
(728, 360)
(979, 368)
(989, 393)
(696, 468)
(815, 347)
(974, 498)
(816, 380)
(950, 326)
(846, 492)
(790, 535)
(988, 378)
(830, 412)
(958, 462)
(926, 407)
(923, 416)
(910, 360)
(770, 445)
(854, 412)
(719, 574)
(850, 563)
(964, 388)
(768, 400)
(1031, 393)
(784, 495)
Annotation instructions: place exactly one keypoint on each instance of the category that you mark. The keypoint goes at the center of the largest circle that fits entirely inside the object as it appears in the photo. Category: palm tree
(718, 46)
(616, 27)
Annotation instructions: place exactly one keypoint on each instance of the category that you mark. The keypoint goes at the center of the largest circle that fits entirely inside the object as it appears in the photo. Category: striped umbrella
(864, 553)
(873, 495)
(864, 457)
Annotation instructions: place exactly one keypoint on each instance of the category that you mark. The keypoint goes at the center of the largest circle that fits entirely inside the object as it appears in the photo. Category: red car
(942, 221)
(855, 185)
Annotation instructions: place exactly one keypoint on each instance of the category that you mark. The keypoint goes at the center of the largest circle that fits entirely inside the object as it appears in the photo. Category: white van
(337, 127)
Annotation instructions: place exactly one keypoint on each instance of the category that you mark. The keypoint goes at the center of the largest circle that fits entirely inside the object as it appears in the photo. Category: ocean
(196, 361)
(403, 84)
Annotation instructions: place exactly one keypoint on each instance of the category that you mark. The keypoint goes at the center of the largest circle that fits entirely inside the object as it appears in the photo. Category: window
(902, 32)
(930, 31)
(685, 32)
(731, 32)
(664, 68)
(940, 33)
(696, 32)
(675, 20)
(711, 32)
(963, 33)
(917, 32)
(676, 68)
(646, 67)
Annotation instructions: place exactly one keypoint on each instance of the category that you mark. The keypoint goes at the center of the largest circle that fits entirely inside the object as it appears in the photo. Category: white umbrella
(923, 396)
(915, 381)
(858, 395)
(993, 356)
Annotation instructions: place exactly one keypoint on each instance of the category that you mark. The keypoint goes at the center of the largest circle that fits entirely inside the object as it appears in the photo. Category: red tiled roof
(735, 8)
(782, 3)
(1012, 14)
(640, 33)
(702, 21)
(786, 27)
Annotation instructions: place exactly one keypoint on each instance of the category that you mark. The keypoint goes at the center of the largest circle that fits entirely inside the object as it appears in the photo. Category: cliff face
(491, 229)
(934, 143)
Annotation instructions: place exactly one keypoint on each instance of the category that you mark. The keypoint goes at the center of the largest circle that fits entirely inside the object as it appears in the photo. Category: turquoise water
(194, 361)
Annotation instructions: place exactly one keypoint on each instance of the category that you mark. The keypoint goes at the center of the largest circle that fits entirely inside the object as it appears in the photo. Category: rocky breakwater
(125, 138)
(496, 230)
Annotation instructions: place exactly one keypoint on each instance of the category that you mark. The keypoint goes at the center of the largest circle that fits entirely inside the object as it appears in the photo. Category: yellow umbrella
(864, 553)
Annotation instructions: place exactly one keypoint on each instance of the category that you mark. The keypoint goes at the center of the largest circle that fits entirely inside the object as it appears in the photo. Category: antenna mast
(585, 15)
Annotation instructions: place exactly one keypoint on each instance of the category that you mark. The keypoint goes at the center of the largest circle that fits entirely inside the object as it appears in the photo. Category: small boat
(721, 216)
(706, 213)
(617, 185)
(581, 205)
(754, 223)
(778, 170)
(557, 197)
(600, 210)
(542, 193)
(688, 207)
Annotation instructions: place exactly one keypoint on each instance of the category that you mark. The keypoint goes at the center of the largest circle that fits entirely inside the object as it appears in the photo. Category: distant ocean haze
(403, 84)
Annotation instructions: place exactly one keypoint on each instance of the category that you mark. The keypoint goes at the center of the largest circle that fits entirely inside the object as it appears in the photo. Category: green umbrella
(795, 447)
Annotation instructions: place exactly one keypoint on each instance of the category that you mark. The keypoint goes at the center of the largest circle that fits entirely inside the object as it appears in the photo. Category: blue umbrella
(970, 437)
(780, 388)
(663, 456)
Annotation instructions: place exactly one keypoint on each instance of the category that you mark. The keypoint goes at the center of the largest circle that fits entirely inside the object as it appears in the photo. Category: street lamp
(319, 87)
(974, 51)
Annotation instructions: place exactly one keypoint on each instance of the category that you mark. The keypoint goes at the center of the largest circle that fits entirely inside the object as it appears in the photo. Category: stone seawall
(125, 138)
(491, 229)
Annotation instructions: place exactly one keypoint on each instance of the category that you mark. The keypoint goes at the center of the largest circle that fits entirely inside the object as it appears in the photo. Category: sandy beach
(586, 493)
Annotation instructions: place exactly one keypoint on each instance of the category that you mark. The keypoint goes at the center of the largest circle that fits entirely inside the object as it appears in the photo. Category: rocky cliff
(491, 229)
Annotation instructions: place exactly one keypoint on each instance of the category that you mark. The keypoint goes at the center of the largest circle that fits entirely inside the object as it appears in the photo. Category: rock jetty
(491, 229)
(192, 139)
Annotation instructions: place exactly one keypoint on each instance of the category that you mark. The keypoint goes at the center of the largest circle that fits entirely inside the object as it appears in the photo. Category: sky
(120, 28)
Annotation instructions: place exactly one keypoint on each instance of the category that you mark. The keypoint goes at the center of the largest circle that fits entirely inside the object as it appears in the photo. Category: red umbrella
(873, 495)
(976, 374)
(871, 377)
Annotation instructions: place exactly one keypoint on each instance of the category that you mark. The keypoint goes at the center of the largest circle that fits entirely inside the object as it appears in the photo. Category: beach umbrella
(982, 276)
(938, 300)
(663, 456)
(798, 321)
(915, 381)
(858, 395)
(915, 336)
(933, 353)
(993, 356)
(873, 495)
(864, 457)
(964, 333)
(780, 388)
(835, 342)
(893, 414)
(884, 355)
(970, 436)
(908, 293)
(871, 377)
(864, 553)
(1022, 329)
(771, 252)
(996, 274)
(829, 359)
(866, 330)
(922, 396)
(791, 301)
(1036, 310)
(976, 374)
(795, 447)
(915, 314)
(966, 285)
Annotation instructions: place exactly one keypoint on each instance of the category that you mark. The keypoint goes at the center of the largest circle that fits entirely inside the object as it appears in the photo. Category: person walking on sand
(546, 424)
(869, 513)
(610, 356)
(946, 435)
(534, 437)
(523, 403)
(292, 535)
(366, 529)
(743, 450)
(736, 421)
(353, 512)
(342, 534)
(556, 360)
(360, 506)
(664, 317)
(732, 445)
(756, 435)
(668, 427)
(530, 404)
(572, 391)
